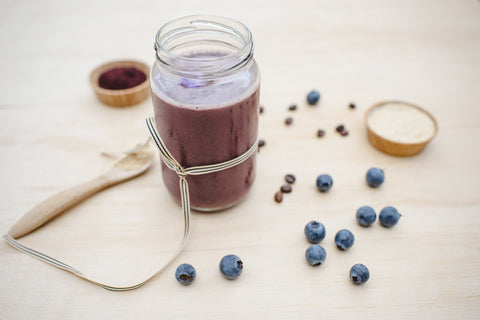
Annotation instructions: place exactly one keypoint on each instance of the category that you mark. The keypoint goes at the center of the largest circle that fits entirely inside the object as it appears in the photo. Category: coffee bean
(261, 143)
(286, 188)
(278, 196)
(320, 133)
(340, 128)
(288, 121)
(262, 109)
(293, 107)
(344, 133)
(352, 105)
(290, 178)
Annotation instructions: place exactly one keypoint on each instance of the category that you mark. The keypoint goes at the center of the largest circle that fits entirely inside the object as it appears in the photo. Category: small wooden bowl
(391, 146)
(123, 97)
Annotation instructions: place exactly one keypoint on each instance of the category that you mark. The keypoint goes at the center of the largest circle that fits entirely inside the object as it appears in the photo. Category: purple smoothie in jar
(205, 90)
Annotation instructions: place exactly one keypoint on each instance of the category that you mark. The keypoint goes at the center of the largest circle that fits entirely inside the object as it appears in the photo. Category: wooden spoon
(131, 165)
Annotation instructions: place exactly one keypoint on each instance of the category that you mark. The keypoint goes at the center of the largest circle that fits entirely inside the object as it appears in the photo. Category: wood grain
(53, 128)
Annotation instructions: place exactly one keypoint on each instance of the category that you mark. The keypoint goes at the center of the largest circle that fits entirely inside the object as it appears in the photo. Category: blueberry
(313, 97)
(359, 274)
(315, 255)
(375, 177)
(315, 231)
(324, 182)
(366, 216)
(231, 266)
(344, 239)
(389, 217)
(185, 274)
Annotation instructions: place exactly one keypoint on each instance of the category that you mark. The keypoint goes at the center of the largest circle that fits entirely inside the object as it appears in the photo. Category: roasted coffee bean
(286, 188)
(278, 196)
(261, 143)
(288, 121)
(344, 133)
(290, 178)
(340, 128)
(352, 105)
(293, 107)
(320, 133)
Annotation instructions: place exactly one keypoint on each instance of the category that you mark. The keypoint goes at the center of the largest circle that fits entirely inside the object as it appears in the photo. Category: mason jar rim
(213, 24)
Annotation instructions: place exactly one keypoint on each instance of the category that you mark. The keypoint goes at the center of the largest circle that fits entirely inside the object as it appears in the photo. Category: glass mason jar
(205, 91)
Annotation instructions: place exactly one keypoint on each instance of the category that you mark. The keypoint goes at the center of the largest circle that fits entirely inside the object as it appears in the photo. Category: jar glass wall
(205, 90)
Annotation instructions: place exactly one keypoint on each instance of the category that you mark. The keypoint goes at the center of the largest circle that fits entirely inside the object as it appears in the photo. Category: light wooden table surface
(52, 130)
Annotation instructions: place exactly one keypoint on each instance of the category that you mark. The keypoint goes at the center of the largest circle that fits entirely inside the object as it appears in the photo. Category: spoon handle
(56, 204)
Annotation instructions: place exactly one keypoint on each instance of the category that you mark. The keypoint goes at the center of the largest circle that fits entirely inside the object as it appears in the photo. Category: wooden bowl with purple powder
(121, 83)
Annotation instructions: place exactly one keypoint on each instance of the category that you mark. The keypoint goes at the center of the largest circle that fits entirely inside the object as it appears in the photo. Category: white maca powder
(401, 122)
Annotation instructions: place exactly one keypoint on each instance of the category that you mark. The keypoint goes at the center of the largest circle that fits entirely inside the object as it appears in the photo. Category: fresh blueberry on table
(359, 274)
(366, 216)
(375, 177)
(344, 239)
(315, 231)
(231, 266)
(313, 97)
(324, 182)
(389, 217)
(315, 255)
(185, 273)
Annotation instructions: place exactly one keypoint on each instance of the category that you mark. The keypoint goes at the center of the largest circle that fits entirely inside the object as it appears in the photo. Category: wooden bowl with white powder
(399, 128)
